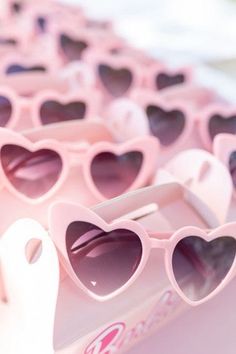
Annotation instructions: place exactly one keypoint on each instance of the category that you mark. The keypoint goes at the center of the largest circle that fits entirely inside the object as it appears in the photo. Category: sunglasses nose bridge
(25, 104)
(77, 152)
(156, 243)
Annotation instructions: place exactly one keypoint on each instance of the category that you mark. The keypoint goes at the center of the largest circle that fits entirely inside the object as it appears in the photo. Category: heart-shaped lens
(103, 261)
(200, 266)
(55, 112)
(163, 80)
(31, 173)
(166, 126)
(116, 81)
(232, 167)
(19, 69)
(114, 174)
(72, 49)
(219, 124)
(5, 111)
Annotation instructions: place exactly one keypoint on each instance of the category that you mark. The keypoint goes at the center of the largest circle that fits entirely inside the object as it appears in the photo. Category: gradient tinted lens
(103, 261)
(31, 173)
(114, 174)
(166, 126)
(163, 80)
(219, 124)
(200, 267)
(54, 112)
(5, 111)
(116, 81)
(18, 69)
(72, 49)
(232, 167)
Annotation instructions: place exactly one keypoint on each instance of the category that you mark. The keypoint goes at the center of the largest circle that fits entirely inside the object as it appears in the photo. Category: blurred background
(193, 30)
(202, 32)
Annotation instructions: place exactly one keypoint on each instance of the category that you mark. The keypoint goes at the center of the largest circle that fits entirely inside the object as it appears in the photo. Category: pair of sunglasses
(46, 107)
(105, 253)
(35, 171)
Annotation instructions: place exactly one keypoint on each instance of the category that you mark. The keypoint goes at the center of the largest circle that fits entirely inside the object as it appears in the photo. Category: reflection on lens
(31, 173)
(200, 267)
(114, 174)
(103, 261)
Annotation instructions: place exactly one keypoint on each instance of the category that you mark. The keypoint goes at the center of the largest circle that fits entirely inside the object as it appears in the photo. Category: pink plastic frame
(31, 106)
(63, 214)
(80, 154)
(223, 146)
(116, 62)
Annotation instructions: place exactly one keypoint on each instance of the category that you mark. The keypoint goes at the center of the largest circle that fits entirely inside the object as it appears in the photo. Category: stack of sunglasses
(87, 118)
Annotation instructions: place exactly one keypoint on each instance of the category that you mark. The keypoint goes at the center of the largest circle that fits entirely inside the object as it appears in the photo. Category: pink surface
(208, 329)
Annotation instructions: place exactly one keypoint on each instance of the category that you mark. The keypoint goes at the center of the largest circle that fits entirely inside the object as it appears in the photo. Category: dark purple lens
(114, 174)
(166, 126)
(16, 7)
(18, 69)
(232, 167)
(103, 261)
(8, 41)
(219, 124)
(200, 266)
(31, 173)
(41, 23)
(73, 49)
(54, 112)
(5, 111)
(163, 80)
(116, 81)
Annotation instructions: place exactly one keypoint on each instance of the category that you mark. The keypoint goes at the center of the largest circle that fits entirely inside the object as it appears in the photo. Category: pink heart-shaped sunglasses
(34, 171)
(105, 257)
